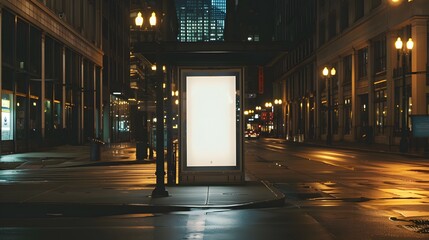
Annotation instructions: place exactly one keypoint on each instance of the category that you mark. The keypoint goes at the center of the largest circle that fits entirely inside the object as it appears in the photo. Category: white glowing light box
(211, 121)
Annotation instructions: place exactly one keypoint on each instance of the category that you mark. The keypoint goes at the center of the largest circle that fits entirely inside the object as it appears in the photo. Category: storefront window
(381, 111)
(7, 106)
(48, 116)
(57, 115)
(120, 120)
(347, 115)
(21, 106)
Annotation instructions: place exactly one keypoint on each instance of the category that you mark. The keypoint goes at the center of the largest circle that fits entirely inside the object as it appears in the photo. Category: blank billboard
(211, 121)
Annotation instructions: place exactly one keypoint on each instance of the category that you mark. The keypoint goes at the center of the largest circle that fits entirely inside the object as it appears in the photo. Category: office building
(375, 88)
(201, 20)
(58, 62)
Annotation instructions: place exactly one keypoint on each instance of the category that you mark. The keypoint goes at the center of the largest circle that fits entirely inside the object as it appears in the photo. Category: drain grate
(418, 226)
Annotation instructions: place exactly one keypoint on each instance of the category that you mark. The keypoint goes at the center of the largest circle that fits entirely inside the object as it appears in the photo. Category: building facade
(376, 88)
(54, 78)
(201, 20)
(116, 70)
(294, 73)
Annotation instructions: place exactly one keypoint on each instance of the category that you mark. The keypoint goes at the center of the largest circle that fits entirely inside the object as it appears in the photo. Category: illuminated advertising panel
(211, 126)
(211, 121)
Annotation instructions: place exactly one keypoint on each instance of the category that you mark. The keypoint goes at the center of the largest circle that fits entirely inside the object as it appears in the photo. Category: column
(419, 60)
(355, 108)
(371, 97)
(94, 102)
(42, 93)
(391, 63)
(81, 101)
(317, 104)
(100, 106)
(63, 90)
(340, 77)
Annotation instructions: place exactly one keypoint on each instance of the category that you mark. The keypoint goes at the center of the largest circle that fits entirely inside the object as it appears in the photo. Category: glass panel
(48, 117)
(7, 120)
(8, 37)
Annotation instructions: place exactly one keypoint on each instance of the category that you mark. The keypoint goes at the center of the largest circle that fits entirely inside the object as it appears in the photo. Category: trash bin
(141, 150)
(95, 152)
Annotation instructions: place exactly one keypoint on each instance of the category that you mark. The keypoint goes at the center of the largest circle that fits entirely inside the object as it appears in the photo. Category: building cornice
(39, 15)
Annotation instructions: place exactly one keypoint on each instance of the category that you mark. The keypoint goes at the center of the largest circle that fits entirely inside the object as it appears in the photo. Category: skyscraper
(201, 20)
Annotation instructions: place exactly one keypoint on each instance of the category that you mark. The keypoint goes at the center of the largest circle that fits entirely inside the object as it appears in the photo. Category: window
(375, 3)
(322, 32)
(332, 24)
(8, 37)
(347, 73)
(35, 51)
(363, 62)
(344, 15)
(22, 42)
(380, 55)
(7, 116)
(360, 9)
(347, 115)
(380, 111)
(403, 108)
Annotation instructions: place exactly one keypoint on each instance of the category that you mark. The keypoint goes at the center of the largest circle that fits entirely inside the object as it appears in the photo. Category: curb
(108, 163)
(46, 209)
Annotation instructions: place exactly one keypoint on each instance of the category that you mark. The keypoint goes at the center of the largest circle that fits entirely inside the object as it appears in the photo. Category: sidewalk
(95, 201)
(34, 198)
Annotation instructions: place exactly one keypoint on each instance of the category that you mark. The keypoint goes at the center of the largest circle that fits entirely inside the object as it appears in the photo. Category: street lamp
(404, 51)
(277, 102)
(159, 190)
(139, 20)
(328, 76)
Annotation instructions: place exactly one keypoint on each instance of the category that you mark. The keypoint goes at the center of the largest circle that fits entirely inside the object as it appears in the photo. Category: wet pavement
(63, 180)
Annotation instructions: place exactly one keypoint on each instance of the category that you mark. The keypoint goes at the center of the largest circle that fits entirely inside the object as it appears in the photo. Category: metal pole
(329, 134)
(403, 145)
(159, 190)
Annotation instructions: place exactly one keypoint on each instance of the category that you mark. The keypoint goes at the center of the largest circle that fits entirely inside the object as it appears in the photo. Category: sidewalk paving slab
(96, 200)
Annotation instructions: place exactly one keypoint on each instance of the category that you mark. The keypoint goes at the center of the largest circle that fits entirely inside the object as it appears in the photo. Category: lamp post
(328, 76)
(277, 102)
(403, 51)
(269, 105)
(159, 190)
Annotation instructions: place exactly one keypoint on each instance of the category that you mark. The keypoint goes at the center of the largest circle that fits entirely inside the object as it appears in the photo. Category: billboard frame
(211, 174)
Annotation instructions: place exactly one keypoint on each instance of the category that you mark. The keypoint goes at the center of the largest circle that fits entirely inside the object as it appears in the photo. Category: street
(330, 194)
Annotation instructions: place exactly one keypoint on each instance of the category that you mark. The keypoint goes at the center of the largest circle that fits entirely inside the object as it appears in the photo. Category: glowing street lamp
(277, 102)
(404, 51)
(159, 190)
(139, 20)
(152, 19)
(328, 74)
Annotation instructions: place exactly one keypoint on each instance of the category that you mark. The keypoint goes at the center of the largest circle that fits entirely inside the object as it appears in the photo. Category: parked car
(251, 134)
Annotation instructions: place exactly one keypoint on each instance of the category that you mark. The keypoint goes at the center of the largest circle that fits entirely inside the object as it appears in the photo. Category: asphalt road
(330, 194)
